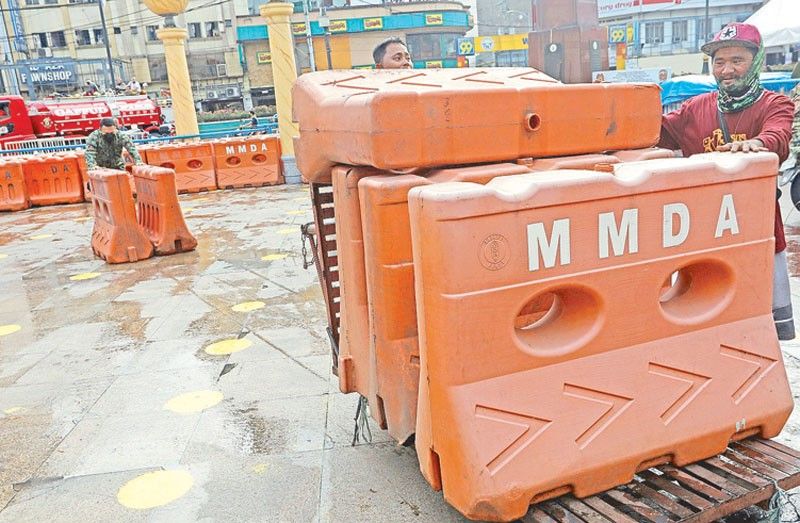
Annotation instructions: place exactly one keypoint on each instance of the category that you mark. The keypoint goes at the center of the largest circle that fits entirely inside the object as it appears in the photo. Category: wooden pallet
(326, 260)
(744, 475)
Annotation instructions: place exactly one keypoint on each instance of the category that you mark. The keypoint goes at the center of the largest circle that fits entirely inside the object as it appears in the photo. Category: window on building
(40, 40)
(432, 46)
(194, 30)
(99, 36)
(212, 29)
(82, 37)
(134, 30)
(117, 30)
(151, 32)
(31, 2)
(702, 31)
(158, 68)
(58, 39)
(511, 58)
(51, 2)
(680, 31)
(205, 65)
(654, 32)
(424, 46)
(228, 22)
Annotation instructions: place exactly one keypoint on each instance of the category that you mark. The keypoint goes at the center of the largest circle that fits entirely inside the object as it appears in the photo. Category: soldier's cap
(107, 122)
(735, 34)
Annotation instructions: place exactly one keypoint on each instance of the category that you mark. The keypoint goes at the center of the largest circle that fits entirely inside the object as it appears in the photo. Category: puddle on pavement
(256, 434)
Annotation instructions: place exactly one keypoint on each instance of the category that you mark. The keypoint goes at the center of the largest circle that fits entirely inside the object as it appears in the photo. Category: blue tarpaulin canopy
(682, 88)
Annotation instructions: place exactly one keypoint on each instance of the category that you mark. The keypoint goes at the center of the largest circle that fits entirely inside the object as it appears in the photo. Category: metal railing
(50, 145)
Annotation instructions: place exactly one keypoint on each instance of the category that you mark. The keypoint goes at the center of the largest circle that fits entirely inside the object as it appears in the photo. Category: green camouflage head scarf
(745, 92)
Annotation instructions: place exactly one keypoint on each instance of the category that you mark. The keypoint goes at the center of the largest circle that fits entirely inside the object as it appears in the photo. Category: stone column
(180, 86)
(284, 73)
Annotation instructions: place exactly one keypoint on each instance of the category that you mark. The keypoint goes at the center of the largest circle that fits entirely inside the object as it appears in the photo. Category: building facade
(341, 34)
(666, 33)
(57, 45)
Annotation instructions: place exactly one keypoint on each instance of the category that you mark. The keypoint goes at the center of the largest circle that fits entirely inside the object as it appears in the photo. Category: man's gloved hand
(746, 146)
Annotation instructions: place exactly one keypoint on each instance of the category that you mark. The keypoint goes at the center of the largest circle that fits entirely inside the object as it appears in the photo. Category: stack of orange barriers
(563, 315)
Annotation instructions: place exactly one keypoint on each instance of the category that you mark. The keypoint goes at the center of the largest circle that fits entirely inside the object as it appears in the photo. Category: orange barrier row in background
(62, 177)
(13, 196)
(193, 164)
(247, 162)
(52, 180)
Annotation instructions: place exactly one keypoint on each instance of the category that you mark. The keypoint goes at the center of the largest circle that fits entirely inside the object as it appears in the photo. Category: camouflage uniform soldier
(104, 147)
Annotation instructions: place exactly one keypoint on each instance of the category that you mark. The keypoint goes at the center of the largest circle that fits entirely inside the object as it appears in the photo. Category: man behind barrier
(392, 53)
(740, 116)
(105, 145)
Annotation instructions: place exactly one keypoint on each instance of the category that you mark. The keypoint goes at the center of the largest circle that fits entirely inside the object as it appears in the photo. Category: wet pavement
(193, 387)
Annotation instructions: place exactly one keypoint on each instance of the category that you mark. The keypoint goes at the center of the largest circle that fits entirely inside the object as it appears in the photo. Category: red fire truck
(21, 121)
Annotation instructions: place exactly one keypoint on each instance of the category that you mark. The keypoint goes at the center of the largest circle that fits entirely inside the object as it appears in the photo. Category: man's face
(108, 133)
(396, 57)
(730, 67)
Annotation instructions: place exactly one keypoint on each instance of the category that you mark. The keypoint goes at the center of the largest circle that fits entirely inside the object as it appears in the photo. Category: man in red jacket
(740, 116)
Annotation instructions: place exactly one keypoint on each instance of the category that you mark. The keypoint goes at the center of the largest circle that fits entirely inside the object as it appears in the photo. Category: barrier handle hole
(559, 320)
(533, 121)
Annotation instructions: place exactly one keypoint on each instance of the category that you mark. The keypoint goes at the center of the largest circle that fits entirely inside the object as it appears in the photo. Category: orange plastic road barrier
(619, 375)
(582, 161)
(193, 164)
(356, 361)
(13, 196)
(426, 118)
(159, 211)
(117, 237)
(248, 162)
(394, 349)
(51, 179)
(637, 155)
(85, 181)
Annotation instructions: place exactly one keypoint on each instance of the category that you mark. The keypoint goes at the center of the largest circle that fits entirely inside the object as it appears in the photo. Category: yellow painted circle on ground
(223, 347)
(9, 329)
(260, 468)
(273, 257)
(83, 218)
(155, 489)
(290, 230)
(40, 236)
(194, 401)
(187, 209)
(84, 276)
(296, 213)
(13, 410)
(3, 255)
(248, 306)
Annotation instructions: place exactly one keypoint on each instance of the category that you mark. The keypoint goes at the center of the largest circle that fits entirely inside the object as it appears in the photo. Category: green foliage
(234, 114)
